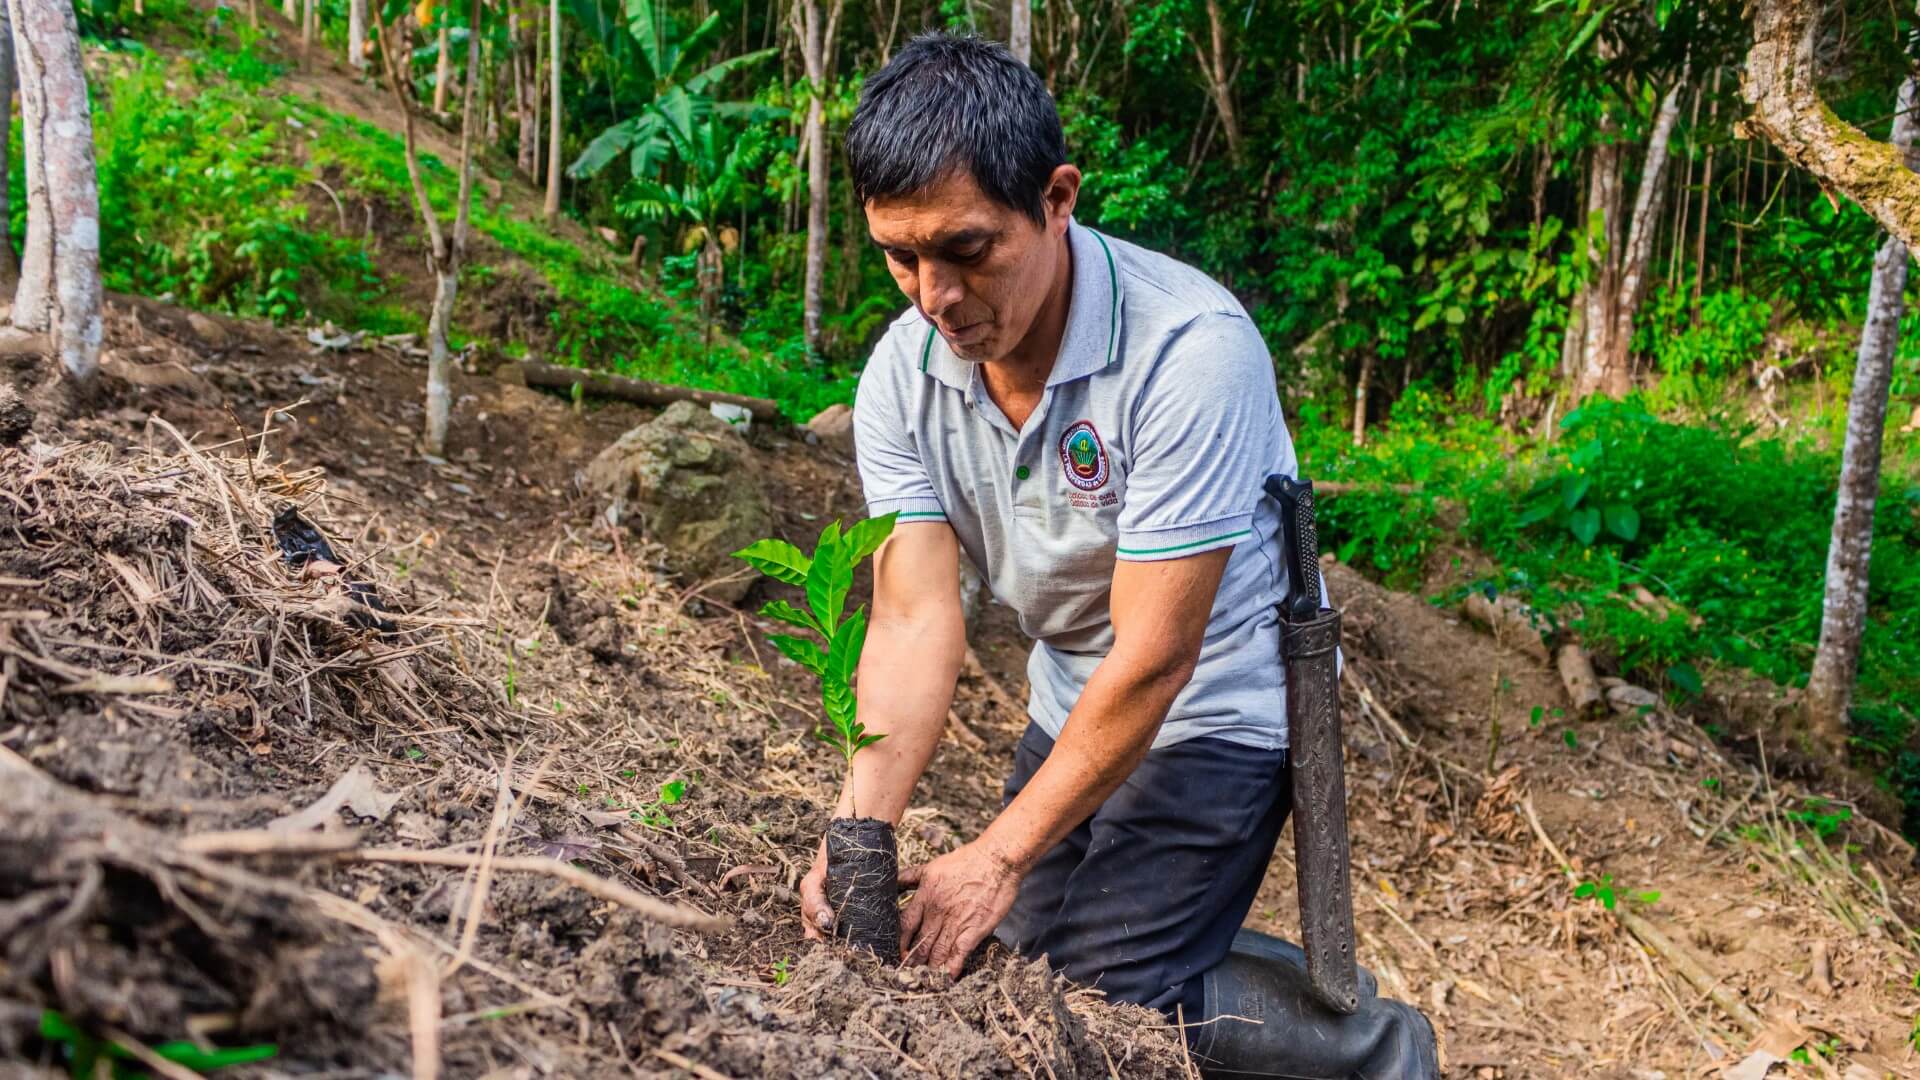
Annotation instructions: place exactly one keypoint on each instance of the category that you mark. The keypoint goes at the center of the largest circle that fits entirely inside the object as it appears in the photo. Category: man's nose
(940, 288)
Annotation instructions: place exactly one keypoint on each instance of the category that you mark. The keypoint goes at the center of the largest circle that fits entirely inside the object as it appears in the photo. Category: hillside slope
(555, 658)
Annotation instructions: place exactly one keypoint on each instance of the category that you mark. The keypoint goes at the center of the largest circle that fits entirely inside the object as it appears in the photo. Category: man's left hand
(961, 897)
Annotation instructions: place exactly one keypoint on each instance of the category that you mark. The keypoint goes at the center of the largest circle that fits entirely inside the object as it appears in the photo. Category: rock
(1627, 698)
(15, 418)
(687, 480)
(511, 373)
(207, 330)
(834, 427)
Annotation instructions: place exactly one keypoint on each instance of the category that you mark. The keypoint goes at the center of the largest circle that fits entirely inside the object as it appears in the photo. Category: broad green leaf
(1573, 489)
(843, 654)
(830, 578)
(1585, 524)
(672, 791)
(1686, 677)
(792, 616)
(778, 560)
(1623, 521)
(867, 536)
(801, 651)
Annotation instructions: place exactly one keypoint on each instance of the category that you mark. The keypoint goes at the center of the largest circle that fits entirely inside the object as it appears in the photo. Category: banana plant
(650, 42)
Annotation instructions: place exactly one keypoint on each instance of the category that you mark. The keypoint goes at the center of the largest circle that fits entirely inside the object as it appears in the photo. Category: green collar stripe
(1183, 547)
(920, 514)
(1113, 317)
(926, 351)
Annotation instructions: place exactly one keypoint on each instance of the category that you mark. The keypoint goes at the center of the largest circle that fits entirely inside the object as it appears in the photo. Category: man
(1091, 423)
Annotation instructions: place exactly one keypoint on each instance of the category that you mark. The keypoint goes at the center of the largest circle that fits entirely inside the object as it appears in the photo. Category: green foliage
(200, 200)
(827, 577)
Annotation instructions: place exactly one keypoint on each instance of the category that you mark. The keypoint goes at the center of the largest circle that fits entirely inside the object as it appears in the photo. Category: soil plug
(862, 860)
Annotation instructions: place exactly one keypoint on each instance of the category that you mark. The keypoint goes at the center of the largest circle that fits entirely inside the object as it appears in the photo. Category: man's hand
(962, 896)
(816, 915)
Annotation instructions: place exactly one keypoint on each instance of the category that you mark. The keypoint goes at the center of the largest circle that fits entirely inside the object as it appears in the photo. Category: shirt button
(1022, 473)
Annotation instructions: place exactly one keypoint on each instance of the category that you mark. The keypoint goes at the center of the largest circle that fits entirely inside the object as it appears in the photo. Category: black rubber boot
(1254, 943)
(1262, 1021)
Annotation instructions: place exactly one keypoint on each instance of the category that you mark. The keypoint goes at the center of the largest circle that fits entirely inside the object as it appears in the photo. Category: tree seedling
(862, 857)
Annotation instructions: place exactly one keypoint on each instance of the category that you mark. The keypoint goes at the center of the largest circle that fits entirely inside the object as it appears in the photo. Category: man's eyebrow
(962, 238)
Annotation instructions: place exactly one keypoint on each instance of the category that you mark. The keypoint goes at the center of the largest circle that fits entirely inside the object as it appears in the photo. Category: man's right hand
(816, 917)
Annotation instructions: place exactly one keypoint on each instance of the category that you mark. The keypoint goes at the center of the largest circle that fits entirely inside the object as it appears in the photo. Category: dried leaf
(355, 791)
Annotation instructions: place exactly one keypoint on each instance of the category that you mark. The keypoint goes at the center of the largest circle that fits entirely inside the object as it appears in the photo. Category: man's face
(980, 271)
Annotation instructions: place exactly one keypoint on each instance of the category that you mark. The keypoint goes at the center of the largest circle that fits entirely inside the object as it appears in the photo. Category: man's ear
(1063, 191)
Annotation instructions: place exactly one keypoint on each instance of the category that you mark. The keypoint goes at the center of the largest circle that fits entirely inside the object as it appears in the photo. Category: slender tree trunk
(1605, 367)
(815, 29)
(1020, 30)
(357, 35)
(1360, 399)
(1844, 612)
(1603, 251)
(552, 208)
(47, 39)
(9, 264)
(1706, 189)
(443, 64)
(1219, 76)
(444, 252)
(307, 21)
(291, 9)
(524, 93)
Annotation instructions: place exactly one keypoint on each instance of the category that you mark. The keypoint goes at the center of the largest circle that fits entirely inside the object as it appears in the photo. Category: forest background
(1547, 319)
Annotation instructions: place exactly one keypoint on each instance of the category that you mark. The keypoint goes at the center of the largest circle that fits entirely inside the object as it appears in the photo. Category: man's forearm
(1111, 728)
(907, 675)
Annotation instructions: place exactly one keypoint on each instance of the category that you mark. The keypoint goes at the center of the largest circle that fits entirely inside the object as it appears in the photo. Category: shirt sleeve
(886, 447)
(1204, 429)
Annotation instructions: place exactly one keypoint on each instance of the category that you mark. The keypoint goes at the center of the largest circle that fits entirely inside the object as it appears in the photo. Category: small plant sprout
(782, 970)
(827, 577)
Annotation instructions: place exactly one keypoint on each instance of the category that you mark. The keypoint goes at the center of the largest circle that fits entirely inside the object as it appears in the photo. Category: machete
(1309, 647)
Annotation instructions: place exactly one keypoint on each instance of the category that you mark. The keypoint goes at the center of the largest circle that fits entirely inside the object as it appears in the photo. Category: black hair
(956, 101)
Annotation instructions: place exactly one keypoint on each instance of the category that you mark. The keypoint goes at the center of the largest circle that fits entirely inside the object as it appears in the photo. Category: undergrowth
(1726, 525)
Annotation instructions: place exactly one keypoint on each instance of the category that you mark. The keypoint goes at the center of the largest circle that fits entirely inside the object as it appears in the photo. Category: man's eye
(969, 254)
(904, 258)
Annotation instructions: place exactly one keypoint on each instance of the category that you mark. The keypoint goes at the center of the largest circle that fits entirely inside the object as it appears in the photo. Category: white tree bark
(1613, 297)
(1843, 616)
(32, 297)
(1020, 30)
(47, 39)
(525, 90)
(552, 208)
(357, 35)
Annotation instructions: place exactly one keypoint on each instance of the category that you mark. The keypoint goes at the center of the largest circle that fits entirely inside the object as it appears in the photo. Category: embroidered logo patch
(1084, 456)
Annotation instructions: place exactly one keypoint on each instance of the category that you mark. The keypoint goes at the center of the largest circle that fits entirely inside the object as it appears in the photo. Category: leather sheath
(1310, 650)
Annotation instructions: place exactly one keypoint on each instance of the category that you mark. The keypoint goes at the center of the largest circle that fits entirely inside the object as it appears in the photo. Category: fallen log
(1576, 671)
(640, 391)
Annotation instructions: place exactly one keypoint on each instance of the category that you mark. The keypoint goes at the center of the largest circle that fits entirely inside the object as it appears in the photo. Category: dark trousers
(1145, 896)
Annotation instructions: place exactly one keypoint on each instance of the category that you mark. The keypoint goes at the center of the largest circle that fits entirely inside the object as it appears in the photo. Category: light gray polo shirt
(1159, 423)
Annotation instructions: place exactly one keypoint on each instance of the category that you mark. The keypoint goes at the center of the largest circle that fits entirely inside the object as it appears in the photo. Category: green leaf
(802, 652)
(843, 654)
(792, 616)
(1567, 736)
(830, 578)
(1686, 677)
(672, 791)
(1585, 524)
(867, 536)
(1586, 32)
(1574, 488)
(1623, 521)
(1646, 896)
(778, 560)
